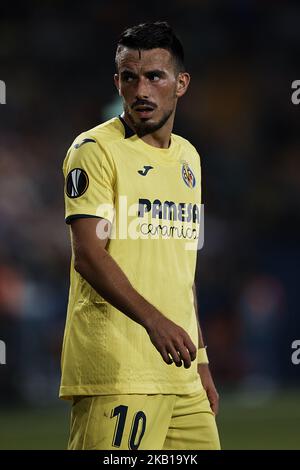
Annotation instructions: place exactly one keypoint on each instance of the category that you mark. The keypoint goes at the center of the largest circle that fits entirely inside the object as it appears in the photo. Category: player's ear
(117, 82)
(183, 81)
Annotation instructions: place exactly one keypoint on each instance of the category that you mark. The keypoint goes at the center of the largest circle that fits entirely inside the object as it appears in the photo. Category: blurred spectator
(261, 306)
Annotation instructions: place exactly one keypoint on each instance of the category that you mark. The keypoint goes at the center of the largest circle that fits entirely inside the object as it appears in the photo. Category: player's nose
(142, 89)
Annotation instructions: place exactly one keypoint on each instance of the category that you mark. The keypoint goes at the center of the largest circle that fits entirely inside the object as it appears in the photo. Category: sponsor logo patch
(145, 170)
(77, 183)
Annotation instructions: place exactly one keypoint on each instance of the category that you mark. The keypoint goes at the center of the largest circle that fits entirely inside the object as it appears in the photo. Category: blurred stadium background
(57, 60)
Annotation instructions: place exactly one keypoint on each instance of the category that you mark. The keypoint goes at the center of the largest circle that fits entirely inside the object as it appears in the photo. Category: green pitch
(272, 424)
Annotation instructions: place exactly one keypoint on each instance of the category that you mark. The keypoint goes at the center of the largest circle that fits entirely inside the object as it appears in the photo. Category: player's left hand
(209, 387)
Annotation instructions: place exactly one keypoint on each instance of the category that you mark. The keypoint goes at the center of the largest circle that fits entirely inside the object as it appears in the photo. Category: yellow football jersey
(152, 197)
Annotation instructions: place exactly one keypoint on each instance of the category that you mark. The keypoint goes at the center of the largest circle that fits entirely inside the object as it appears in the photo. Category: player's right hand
(172, 342)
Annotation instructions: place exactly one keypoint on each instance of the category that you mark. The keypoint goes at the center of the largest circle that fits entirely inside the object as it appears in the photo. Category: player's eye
(154, 77)
(127, 78)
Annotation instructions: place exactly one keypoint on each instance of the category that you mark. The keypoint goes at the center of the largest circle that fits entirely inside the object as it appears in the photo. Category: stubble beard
(144, 127)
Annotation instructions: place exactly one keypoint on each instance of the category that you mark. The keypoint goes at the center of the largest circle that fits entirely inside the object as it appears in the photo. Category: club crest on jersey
(77, 183)
(187, 175)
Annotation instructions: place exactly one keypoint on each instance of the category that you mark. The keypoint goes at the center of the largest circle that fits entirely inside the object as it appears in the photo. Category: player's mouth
(144, 111)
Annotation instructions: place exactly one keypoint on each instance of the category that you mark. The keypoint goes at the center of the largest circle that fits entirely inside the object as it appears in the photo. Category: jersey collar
(128, 132)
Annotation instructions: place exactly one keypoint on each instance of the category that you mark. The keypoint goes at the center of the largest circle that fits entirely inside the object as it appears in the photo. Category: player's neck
(161, 138)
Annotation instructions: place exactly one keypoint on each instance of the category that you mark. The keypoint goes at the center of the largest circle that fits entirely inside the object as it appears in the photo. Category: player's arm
(203, 369)
(93, 262)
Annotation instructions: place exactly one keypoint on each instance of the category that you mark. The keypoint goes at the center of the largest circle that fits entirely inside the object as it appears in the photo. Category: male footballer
(133, 360)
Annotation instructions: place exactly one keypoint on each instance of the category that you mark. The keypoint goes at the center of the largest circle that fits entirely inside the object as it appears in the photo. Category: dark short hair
(148, 36)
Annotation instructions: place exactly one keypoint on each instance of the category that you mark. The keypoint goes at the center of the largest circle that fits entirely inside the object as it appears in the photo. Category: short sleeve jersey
(152, 198)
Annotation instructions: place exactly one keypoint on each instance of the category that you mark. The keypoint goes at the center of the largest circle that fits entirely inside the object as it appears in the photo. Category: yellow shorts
(149, 422)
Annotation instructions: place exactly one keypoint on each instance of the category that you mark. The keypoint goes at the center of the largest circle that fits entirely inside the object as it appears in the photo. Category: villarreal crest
(187, 175)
